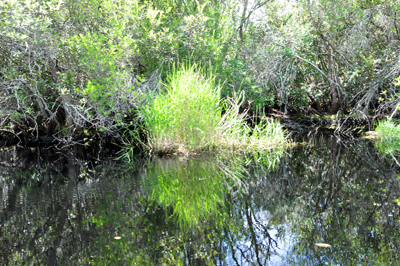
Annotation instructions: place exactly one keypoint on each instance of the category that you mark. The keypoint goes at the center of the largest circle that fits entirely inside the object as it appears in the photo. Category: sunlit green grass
(388, 130)
(188, 117)
(388, 136)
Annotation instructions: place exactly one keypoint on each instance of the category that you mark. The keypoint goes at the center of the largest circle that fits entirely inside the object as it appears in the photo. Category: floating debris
(323, 245)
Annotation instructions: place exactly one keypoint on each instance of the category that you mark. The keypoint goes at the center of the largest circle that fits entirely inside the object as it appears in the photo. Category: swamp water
(70, 208)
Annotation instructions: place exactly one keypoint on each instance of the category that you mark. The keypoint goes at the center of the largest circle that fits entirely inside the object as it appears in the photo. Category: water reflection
(259, 209)
(194, 189)
(350, 204)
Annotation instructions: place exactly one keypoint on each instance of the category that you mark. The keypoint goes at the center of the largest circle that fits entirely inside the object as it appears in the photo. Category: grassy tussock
(388, 130)
(388, 136)
(187, 117)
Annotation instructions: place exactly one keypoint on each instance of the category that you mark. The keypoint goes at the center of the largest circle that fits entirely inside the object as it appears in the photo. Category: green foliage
(397, 82)
(96, 59)
(16, 116)
(237, 134)
(388, 132)
(188, 117)
(184, 117)
(171, 30)
(89, 63)
(103, 55)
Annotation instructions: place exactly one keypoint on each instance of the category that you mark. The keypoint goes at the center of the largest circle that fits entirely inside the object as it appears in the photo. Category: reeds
(187, 117)
(388, 130)
(388, 136)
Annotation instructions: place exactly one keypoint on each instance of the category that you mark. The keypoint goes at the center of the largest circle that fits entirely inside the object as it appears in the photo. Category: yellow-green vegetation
(387, 134)
(388, 130)
(188, 116)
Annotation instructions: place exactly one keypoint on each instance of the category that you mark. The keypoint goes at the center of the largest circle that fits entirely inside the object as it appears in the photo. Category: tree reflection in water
(259, 209)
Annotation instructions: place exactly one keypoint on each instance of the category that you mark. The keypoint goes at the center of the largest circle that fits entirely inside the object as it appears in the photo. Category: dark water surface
(71, 208)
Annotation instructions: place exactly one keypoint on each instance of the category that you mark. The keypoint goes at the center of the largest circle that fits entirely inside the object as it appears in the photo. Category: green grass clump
(388, 130)
(388, 136)
(237, 134)
(187, 117)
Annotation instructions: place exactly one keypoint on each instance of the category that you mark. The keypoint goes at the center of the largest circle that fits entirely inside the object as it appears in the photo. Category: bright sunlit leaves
(117, 237)
(397, 201)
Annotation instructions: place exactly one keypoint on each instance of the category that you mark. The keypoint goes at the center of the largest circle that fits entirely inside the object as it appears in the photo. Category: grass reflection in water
(195, 189)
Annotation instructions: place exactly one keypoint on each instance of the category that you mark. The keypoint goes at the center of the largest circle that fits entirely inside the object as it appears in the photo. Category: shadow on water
(254, 209)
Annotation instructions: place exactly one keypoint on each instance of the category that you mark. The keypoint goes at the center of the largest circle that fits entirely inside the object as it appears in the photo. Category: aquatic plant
(237, 134)
(188, 116)
(387, 136)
